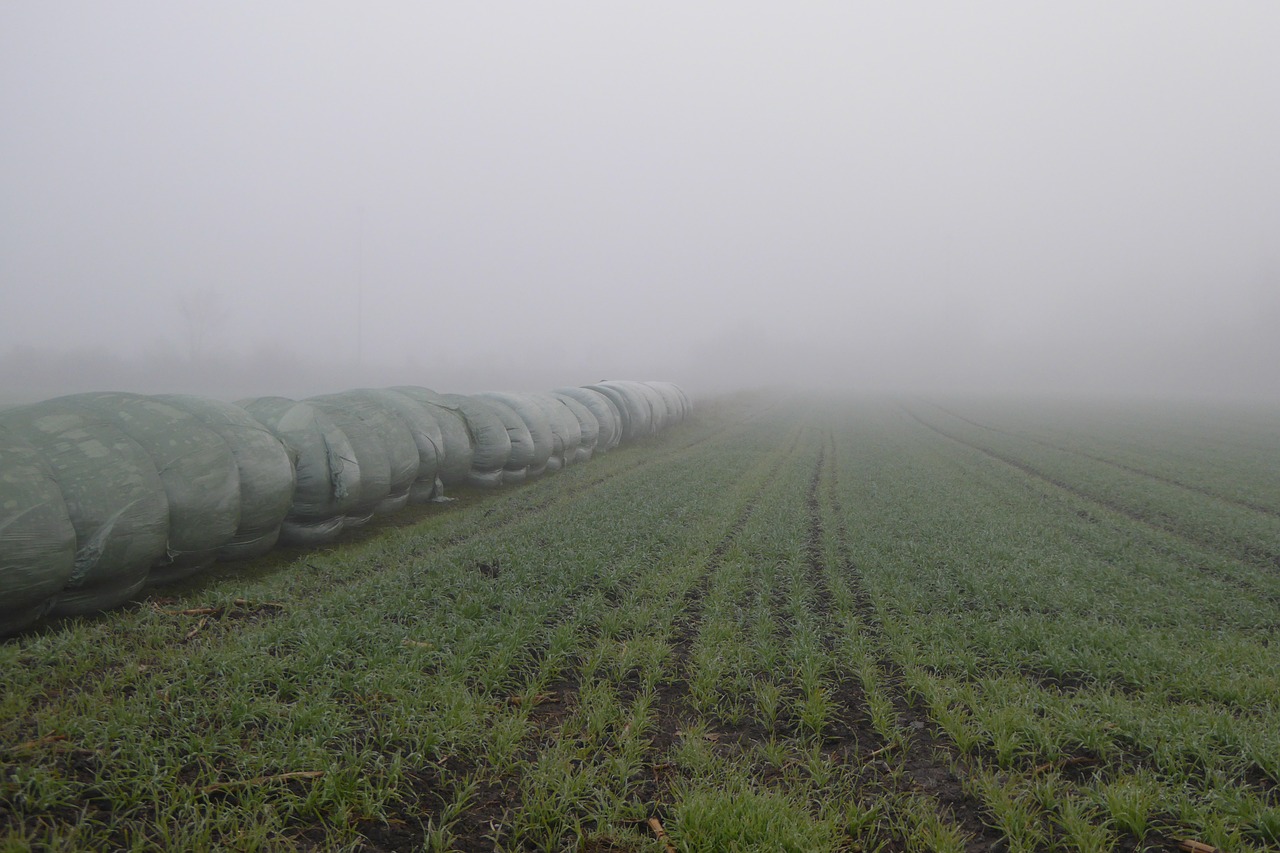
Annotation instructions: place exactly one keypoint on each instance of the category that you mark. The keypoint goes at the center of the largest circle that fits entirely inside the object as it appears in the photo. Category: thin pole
(360, 292)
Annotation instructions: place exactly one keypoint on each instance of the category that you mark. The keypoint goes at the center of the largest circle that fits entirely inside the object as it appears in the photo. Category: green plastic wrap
(608, 420)
(37, 539)
(588, 426)
(459, 444)
(536, 425)
(427, 437)
(114, 498)
(493, 447)
(199, 472)
(265, 470)
(327, 475)
(373, 424)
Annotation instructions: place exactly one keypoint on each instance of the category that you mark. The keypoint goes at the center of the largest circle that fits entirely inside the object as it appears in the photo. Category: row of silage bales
(102, 494)
(566, 432)
(426, 435)
(327, 478)
(113, 499)
(642, 409)
(352, 463)
(196, 468)
(383, 442)
(359, 454)
(677, 402)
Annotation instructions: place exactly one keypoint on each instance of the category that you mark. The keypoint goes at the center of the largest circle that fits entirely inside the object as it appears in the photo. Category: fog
(247, 198)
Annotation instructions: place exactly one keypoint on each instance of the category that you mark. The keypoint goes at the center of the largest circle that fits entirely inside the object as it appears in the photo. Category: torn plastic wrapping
(493, 447)
(386, 428)
(327, 477)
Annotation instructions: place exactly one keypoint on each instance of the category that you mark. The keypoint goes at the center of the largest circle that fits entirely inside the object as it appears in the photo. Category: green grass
(835, 625)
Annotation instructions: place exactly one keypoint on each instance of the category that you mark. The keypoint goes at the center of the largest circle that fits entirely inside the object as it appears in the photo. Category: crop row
(1244, 540)
(1098, 683)
(1232, 454)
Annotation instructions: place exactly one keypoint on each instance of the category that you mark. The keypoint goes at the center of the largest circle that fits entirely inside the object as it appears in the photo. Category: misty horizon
(295, 198)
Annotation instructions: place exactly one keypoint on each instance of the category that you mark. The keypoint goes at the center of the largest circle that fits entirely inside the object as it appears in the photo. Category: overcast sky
(1034, 196)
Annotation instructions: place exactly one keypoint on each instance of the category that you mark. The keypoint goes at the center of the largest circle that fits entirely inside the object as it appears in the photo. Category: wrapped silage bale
(37, 539)
(605, 411)
(199, 472)
(427, 438)
(674, 405)
(565, 431)
(482, 414)
(658, 414)
(556, 460)
(114, 498)
(370, 458)
(675, 397)
(459, 445)
(492, 448)
(661, 415)
(622, 408)
(265, 467)
(617, 417)
(684, 398)
(536, 423)
(375, 428)
(637, 414)
(588, 427)
(327, 473)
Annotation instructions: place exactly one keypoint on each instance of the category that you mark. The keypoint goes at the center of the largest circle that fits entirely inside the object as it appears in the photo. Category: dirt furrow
(929, 757)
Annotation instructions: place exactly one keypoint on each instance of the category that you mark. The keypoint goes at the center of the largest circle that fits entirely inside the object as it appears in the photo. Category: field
(788, 624)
